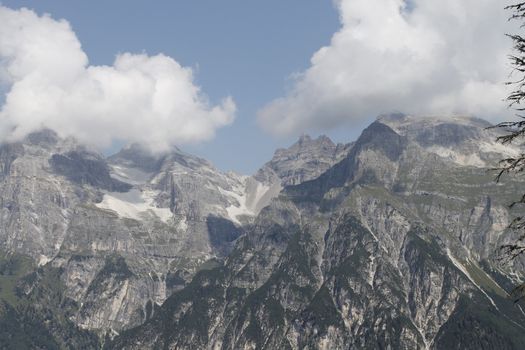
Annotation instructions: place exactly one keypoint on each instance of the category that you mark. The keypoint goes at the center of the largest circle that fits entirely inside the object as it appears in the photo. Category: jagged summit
(134, 155)
(305, 160)
(441, 130)
(306, 142)
(140, 157)
(399, 120)
(393, 245)
(43, 137)
(464, 140)
(398, 230)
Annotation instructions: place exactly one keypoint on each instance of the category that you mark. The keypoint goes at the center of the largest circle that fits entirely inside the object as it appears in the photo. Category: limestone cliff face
(392, 247)
(388, 242)
(127, 231)
(161, 217)
(304, 160)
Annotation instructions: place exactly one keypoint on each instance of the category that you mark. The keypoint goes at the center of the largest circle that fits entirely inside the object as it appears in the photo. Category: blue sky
(289, 66)
(246, 49)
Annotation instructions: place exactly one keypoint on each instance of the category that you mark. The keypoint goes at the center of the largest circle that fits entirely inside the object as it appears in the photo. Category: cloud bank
(49, 83)
(425, 57)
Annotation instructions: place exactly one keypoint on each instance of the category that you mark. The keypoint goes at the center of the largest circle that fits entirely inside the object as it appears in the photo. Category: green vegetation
(322, 311)
(12, 268)
(476, 325)
(483, 279)
(34, 312)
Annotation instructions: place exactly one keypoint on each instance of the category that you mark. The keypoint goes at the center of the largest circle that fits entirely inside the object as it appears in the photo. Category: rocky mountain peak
(464, 140)
(304, 138)
(380, 136)
(44, 137)
(394, 230)
(306, 143)
(400, 120)
(446, 130)
(305, 160)
(137, 156)
(389, 247)
(86, 168)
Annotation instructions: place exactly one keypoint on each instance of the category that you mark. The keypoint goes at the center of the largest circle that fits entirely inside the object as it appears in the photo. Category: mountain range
(388, 242)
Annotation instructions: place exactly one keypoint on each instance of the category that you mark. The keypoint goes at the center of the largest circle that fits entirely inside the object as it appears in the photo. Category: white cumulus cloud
(49, 83)
(427, 57)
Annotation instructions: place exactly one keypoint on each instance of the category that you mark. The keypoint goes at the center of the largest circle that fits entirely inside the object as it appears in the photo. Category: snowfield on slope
(134, 204)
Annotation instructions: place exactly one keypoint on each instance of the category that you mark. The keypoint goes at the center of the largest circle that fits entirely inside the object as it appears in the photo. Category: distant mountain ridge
(389, 241)
(165, 215)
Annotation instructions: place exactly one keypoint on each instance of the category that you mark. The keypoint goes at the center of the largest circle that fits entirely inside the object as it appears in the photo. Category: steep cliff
(388, 242)
(395, 246)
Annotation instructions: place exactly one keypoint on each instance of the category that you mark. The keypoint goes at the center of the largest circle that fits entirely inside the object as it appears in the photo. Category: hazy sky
(232, 80)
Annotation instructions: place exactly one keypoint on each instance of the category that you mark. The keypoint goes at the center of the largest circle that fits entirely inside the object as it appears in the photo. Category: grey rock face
(390, 242)
(393, 247)
(462, 140)
(157, 218)
(305, 160)
(136, 156)
(84, 168)
(34, 205)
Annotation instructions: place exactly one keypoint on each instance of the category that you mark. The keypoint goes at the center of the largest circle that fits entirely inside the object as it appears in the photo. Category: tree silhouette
(515, 130)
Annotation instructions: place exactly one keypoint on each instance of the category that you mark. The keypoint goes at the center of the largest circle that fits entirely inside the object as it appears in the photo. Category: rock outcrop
(388, 242)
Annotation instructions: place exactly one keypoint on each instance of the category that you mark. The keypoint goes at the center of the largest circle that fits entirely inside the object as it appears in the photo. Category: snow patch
(239, 207)
(246, 197)
(134, 204)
